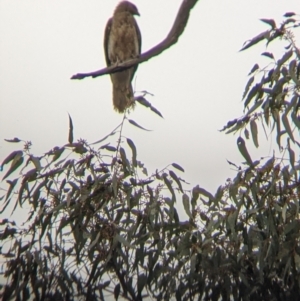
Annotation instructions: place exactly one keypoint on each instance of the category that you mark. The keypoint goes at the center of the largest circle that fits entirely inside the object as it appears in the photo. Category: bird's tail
(123, 98)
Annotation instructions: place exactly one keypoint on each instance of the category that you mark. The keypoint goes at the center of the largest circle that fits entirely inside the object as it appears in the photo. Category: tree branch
(173, 36)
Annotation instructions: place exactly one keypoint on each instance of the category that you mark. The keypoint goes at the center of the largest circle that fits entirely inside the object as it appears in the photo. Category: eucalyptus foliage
(99, 226)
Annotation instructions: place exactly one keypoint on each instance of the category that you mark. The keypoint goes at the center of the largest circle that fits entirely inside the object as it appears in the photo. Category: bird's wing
(139, 36)
(106, 40)
(139, 40)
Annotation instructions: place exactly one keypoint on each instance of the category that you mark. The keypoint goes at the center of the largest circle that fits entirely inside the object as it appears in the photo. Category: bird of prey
(122, 42)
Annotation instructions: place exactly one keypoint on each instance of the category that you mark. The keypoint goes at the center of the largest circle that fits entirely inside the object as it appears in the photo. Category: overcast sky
(197, 84)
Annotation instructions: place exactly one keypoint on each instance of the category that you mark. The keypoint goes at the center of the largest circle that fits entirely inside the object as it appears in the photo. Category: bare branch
(173, 36)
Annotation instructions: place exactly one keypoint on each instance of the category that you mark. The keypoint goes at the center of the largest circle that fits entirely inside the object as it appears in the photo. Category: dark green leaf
(239, 124)
(36, 162)
(186, 205)
(176, 217)
(254, 132)
(73, 185)
(21, 198)
(267, 167)
(256, 39)
(12, 184)
(289, 14)
(156, 111)
(143, 101)
(246, 132)
(219, 194)
(15, 140)
(147, 104)
(231, 163)
(124, 160)
(30, 175)
(248, 85)
(242, 148)
(229, 124)
(284, 71)
(168, 183)
(109, 148)
(104, 177)
(203, 192)
(254, 107)
(59, 163)
(288, 46)
(268, 54)
(123, 241)
(12, 156)
(111, 134)
(267, 112)
(291, 20)
(286, 124)
(4, 221)
(270, 22)
(175, 178)
(52, 172)
(276, 119)
(135, 124)
(175, 165)
(15, 164)
(195, 194)
(284, 58)
(295, 119)
(134, 153)
(117, 291)
(142, 280)
(57, 151)
(292, 71)
(292, 103)
(292, 155)
(252, 93)
(70, 139)
(63, 223)
(254, 68)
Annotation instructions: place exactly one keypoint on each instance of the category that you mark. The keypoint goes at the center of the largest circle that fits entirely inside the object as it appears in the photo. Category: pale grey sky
(197, 84)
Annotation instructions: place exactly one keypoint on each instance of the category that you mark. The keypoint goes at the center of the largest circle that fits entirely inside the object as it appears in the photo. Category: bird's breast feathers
(123, 41)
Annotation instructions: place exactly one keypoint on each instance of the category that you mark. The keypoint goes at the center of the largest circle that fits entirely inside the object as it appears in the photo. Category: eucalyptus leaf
(243, 150)
(186, 205)
(70, 138)
(137, 125)
(254, 132)
(256, 39)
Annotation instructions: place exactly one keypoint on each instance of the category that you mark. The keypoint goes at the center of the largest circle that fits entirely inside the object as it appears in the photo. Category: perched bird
(122, 41)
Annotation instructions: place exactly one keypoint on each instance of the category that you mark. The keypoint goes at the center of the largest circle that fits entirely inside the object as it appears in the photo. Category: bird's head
(127, 6)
